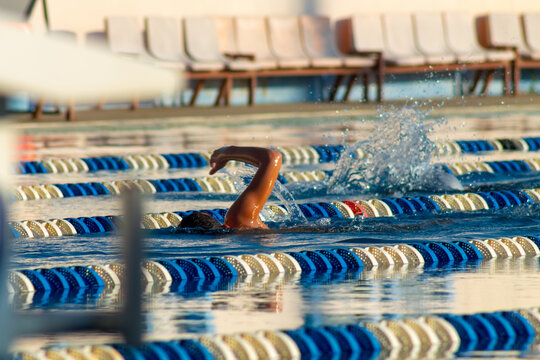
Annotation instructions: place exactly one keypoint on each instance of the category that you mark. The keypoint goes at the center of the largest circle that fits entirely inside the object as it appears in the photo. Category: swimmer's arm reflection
(244, 212)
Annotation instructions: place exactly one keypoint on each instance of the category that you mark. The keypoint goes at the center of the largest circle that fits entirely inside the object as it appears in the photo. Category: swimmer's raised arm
(244, 212)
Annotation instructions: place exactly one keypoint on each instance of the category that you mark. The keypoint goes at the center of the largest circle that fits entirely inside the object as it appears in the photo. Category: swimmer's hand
(219, 159)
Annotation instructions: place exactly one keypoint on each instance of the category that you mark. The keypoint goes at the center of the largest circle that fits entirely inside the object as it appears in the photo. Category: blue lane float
(291, 154)
(326, 261)
(432, 336)
(401, 206)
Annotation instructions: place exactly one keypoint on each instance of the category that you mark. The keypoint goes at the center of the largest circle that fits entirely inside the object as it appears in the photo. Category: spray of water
(242, 175)
(397, 159)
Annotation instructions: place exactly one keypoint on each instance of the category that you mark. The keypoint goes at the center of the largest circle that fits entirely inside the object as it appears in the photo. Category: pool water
(401, 163)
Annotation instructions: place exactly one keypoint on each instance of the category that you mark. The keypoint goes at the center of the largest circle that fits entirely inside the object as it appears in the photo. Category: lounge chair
(202, 46)
(531, 32)
(504, 30)
(164, 40)
(125, 36)
(460, 33)
(461, 38)
(252, 38)
(400, 48)
(430, 40)
(286, 42)
(319, 44)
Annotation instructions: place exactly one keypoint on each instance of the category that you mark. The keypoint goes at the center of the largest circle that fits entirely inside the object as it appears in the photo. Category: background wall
(87, 15)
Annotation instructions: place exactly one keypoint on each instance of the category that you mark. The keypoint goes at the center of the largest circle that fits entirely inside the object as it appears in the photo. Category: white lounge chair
(286, 42)
(252, 38)
(430, 39)
(460, 32)
(531, 32)
(503, 30)
(202, 46)
(400, 48)
(319, 45)
(164, 40)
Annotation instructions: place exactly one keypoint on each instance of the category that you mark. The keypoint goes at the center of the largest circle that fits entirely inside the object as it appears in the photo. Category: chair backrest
(504, 29)
(317, 36)
(285, 39)
(124, 35)
(164, 38)
(460, 32)
(429, 33)
(201, 39)
(367, 33)
(398, 34)
(531, 30)
(226, 34)
(252, 37)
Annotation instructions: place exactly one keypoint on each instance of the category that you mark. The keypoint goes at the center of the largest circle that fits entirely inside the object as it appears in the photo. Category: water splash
(242, 175)
(396, 161)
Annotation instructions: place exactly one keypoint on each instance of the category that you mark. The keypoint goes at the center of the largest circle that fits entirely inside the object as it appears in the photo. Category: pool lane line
(226, 184)
(232, 268)
(432, 336)
(299, 154)
(346, 209)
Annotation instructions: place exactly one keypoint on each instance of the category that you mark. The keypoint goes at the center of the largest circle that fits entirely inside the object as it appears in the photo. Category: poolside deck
(438, 106)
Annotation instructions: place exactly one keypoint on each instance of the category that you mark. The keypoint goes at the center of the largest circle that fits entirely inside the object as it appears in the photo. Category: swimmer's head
(201, 220)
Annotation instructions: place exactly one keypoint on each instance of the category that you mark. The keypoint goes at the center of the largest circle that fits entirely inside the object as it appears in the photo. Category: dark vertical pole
(4, 310)
(132, 316)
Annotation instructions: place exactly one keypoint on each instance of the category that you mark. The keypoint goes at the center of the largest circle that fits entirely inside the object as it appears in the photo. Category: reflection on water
(286, 302)
(218, 306)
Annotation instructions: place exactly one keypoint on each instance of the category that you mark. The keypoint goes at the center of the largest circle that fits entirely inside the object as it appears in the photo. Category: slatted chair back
(124, 35)
(430, 39)
(318, 38)
(164, 38)
(201, 40)
(531, 30)
(285, 38)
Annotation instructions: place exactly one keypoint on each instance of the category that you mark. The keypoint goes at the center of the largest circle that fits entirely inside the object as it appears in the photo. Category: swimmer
(244, 212)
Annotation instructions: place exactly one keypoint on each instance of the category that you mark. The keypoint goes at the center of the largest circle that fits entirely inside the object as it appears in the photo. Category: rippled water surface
(401, 162)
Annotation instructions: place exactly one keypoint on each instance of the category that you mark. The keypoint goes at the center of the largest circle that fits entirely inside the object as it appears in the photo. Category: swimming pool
(395, 166)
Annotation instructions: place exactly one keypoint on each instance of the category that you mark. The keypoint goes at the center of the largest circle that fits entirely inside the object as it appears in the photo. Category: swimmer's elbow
(274, 157)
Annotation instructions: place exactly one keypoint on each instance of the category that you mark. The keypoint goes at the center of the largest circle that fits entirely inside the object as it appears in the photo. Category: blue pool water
(401, 163)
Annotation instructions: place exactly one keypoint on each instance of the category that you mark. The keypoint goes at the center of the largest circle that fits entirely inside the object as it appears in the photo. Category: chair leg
(222, 92)
(490, 75)
(198, 87)
(252, 87)
(38, 111)
(516, 70)
(474, 84)
(350, 85)
(134, 104)
(70, 112)
(380, 81)
(228, 90)
(335, 87)
(366, 87)
(507, 80)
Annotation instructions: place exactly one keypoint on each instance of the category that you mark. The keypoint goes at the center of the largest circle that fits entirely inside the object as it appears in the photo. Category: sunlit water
(399, 145)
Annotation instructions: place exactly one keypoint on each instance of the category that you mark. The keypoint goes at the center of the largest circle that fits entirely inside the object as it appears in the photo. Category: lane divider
(384, 207)
(225, 184)
(300, 154)
(432, 336)
(230, 268)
